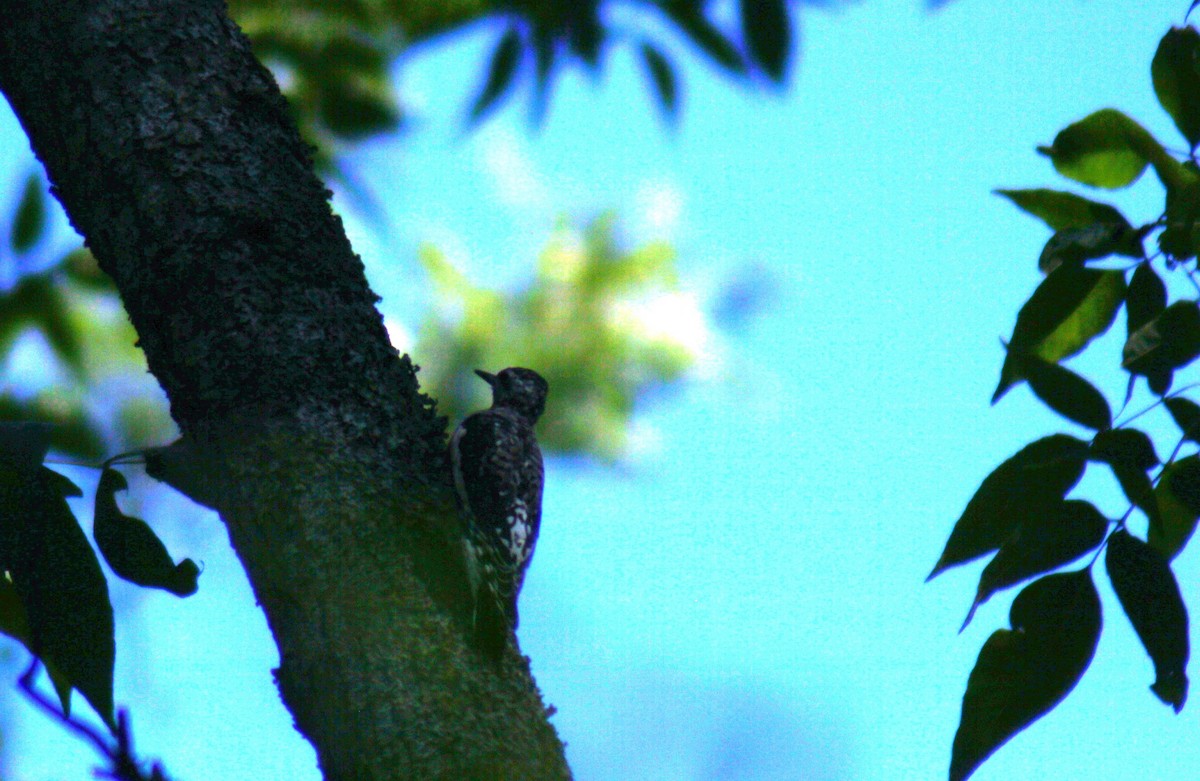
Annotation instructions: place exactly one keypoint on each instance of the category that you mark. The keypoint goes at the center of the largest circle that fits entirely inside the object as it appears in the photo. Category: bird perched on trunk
(498, 476)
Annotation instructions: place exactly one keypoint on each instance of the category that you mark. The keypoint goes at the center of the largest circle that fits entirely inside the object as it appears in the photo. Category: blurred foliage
(578, 322)
(1094, 265)
(85, 341)
(600, 323)
(334, 59)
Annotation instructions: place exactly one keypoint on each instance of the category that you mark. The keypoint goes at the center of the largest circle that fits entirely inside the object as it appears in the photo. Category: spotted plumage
(498, 476)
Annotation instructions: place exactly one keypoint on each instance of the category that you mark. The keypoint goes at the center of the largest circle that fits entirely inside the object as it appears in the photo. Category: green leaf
(1023, 672)
(768, 34)
(500, 74)
(1044, 541)
(58, 579)
(1126, 447)
(662, 77)
(30, 219)
(1090, 242)
(131, 547)
(1066, 392)
(1186, 414)
(1063, 210)
(1167, 342)
(1178, 495)
(1149, 594)
(1146, 298)
(1176, 73)
(1071, 306)
(1130, 453)
(1037, 477)
(1099, 150)
(1180, 239)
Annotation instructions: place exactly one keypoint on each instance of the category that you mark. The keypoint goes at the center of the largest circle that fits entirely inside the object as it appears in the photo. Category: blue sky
(743, 598)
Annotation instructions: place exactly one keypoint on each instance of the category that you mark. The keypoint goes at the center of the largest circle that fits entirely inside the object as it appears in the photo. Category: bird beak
(490, 379)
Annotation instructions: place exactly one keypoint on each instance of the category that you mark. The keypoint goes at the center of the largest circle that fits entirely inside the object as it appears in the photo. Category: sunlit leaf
(1023, 672)
(30, 219)
(1038, 476)
(1176, 73)
(1045, 541)
(1150, 596)
(1071, 306)
(1098, 150)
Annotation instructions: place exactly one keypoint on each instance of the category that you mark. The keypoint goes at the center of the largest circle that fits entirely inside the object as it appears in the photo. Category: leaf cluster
(334, 60)
(587, 321)
(53, 592)
(1094, 264)
(73, 307)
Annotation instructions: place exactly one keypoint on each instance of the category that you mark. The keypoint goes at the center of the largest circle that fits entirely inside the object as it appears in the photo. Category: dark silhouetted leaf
(1150, 597)
(768, 33)
(500, 74)
(545, 59)
(1125, 446)
(1186, 414)
(662, 77)
(30, 219)
(132, 548)
(690, 20)
(1066, 392)
(1146, 298)
(1090, 242)
(38, 300)
(1062, 210)
(1099, 150)
(24, 445)
(1071, 306)
(1178, 495)
(1180, 239)
(1023, 672)
(55, 573)
(1167, 342)
(1038, 476)
(15, 624)
(1130, 453)
(1044, 541)
(1176, 73)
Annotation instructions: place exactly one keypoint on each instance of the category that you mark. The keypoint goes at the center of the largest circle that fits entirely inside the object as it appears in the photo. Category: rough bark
(171, 150)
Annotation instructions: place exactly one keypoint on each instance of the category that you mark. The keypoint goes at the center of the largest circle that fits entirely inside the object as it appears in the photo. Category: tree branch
(171, 150)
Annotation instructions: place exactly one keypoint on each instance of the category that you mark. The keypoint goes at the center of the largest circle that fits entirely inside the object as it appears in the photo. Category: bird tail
(492, 626)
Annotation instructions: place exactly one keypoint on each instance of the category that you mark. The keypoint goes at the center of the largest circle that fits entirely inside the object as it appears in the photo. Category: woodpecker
(498, 476)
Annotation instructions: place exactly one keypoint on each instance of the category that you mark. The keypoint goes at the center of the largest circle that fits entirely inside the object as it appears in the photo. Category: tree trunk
(172, 152)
